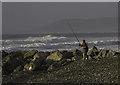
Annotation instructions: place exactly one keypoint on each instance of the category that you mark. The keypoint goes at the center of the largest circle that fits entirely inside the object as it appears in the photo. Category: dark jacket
(84, 45)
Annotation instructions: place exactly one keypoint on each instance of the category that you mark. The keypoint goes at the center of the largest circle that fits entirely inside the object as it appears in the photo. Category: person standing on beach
(85, 49)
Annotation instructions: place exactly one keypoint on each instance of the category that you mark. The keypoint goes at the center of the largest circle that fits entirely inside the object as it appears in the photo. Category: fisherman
(84, 45)
(85, 49)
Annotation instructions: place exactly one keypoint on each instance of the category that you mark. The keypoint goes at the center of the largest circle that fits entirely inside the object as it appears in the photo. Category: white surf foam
(44, 38)
(46, 43)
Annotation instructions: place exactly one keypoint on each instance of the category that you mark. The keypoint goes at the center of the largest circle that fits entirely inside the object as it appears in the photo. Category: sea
(58, 41)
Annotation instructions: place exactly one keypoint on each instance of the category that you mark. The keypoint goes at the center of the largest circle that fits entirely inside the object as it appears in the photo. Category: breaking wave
(44, 38)
(50, 43)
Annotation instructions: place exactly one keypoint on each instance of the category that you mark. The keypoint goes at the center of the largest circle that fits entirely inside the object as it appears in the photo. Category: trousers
(85, 54)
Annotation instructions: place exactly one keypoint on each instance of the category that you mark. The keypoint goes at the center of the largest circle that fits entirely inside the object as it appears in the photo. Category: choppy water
(61, 42)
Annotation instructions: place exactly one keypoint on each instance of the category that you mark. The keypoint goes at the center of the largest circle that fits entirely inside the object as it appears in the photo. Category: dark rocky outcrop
(10, 64)
(36, 62)
(30, 54)
(77, 54)
(67, 54)
(103, 71)
(103, 53)
(40, 57)
(4, 53)
(56, 56)
(30, 66)
(111, 53)
(60, 65)
(93, 51)
(11, 61)
(18, 68)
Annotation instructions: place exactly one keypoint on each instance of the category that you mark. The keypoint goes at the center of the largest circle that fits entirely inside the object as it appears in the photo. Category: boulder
(11, 61)
(103, 53)
(96, 57)
(5, 60)
(73, 58)
(89, 58)
(64, 62)
(67, 54)
(54, 66)
(4, 53)
(13, 57)
(70, 60)
(40, 56)
(111, 53)
(30, 54)
(115, 56)
(59, 64)
(10, 64)
(17, 69)
(50, 68)
(77, 54)
(31, 66)
(36, 62)
(93, 51)
(56, 56)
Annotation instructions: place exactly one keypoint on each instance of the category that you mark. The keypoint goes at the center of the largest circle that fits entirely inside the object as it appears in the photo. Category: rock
(30, 67)
(4, 53)
(9, 65)
(30, 54)
(65, 62)
(115, 56)
(59, 64)
(50, 68)
(77, 54)
(19, 53)
(13, 57)
(103, 53)
(36, 62)
(67, 55)
(19, 68)
(73, 58)
(56, 56)
(5, 60)
(93, 51)
(89, 58)
(41, 56)
(69, 60)
(111, 53)
(11, 61)
(96, 57)
(28, 60)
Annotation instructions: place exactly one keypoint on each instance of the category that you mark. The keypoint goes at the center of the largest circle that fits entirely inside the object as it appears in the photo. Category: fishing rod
(72, 30)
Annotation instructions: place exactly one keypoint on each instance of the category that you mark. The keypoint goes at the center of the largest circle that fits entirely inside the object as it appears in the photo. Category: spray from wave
(50, 43)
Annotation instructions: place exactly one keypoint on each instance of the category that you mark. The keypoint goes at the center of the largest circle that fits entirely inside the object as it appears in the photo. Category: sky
(35, 17)
(59, 0)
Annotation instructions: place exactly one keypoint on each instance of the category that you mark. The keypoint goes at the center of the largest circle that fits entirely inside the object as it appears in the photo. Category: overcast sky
(60, 0)
(26, 17)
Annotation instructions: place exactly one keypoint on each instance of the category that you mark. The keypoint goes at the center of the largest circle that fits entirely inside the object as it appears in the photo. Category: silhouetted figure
(85, 48)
